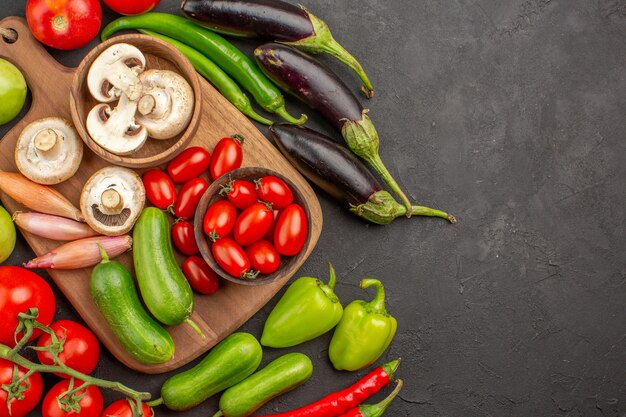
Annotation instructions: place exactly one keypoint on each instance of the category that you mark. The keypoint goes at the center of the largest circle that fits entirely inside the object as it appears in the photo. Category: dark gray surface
(510, 114)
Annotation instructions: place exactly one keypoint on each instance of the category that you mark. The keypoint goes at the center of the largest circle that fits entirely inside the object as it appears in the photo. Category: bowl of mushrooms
(136, 101)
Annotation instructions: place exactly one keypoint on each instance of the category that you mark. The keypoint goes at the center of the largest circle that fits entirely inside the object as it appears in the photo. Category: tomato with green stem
(227, 156)
(263, 257)
(232, 258)
(68, 399)
(219, 219)
(275, 191)
(22, 396)
(160, 190)
(125, 408)
(241, 193)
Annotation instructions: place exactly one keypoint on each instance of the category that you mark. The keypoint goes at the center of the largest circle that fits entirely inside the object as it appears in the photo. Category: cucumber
(279, 376)
(228, 363)
(113, 290)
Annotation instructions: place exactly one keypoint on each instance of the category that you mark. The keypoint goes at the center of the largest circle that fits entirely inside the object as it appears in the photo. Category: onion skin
(82, 253)
(52, 227)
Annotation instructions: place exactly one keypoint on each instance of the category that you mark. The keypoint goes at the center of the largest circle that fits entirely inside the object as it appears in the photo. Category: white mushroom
(112, 200)
(166, 107)
(115, 71)
(48, 151)
(115, 130)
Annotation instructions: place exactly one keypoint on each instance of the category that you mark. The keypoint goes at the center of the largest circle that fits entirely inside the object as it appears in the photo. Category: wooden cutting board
(217, 315)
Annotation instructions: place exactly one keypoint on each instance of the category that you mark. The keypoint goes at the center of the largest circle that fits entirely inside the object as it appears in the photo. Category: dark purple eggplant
(314, 83)
(337, 171)
(275, 20)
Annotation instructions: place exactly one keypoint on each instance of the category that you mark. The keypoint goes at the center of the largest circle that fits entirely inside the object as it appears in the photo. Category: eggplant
(276, 20)
(337, 171)
(321, 89)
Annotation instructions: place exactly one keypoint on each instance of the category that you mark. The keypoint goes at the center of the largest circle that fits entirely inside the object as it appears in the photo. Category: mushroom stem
(146, 104)
(46, 139)
(112, 200)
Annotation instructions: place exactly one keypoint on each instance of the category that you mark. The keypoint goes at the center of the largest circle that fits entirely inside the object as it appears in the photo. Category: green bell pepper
(308, 309)
(364, 332)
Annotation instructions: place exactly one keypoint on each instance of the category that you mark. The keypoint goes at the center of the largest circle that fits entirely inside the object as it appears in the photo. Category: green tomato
(7, 235)
(12, 91)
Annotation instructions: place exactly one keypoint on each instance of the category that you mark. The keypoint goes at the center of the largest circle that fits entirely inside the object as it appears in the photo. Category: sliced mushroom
(115, 130)
(166, 107)
(115, 72)
(112, 200)
(49, 151)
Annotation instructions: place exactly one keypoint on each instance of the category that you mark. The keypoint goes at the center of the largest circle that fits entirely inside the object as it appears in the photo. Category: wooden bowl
(288, 264)
(159, 55)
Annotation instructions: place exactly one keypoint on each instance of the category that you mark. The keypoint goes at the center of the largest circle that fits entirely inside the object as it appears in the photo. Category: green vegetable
(234, 62)
(7, 235)
(278, 377)
(308, 309)
(364, 332)
(113, 290)
(231, 361)
(12, 91)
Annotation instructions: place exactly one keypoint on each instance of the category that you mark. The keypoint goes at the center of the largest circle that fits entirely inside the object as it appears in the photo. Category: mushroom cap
(112, 200)
(48, 151)
(170, 101)
(115, 71)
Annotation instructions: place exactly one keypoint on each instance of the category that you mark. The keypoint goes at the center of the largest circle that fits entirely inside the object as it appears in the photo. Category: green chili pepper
(308, 309)
(215, 76)
(230, 59)
(364, 332)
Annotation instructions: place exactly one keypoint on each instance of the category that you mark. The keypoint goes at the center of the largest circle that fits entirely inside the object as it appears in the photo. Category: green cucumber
(279, 376)
(231, 361)
(113, 290)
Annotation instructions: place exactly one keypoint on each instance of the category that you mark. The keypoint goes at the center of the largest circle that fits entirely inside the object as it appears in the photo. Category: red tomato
(231, 257)
(227, 156)
(241, 193)
(275, 191)
(253, 224)
(64, 24)
(21, 289)
(188, 198)
(122, 408)
(91, 404)
(200, 275)
(184, 238)
(80, 349)
(131, 7)
(189, 164)
(220, 219)
(32, 390)
(160, 189)
(263, 257)
(291, 230)
(269, 236)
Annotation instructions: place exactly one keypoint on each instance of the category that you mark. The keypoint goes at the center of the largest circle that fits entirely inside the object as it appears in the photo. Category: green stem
(282, 112)
(379, 166)
(219, 413)
(378, 303)
(155, 402)
(333, 278)
(391, 367)
(377, 410)
(103, 254)
(430, 212)
(195, 327)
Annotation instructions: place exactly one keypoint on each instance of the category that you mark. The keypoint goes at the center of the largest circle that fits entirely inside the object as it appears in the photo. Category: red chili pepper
(339, 402)
(374, 410)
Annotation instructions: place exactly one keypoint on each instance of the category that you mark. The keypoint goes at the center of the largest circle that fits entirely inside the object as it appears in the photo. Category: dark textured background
(511, 114)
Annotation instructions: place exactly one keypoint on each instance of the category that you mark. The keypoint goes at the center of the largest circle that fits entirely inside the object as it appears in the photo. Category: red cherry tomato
(231, 257)
(220, 219)
(160, 190)
(227, 156)
(263, 257)
(200, 275)
(253, 224)
(269, 236)
(131, 7)
(21, 289)
(241, 193)
(291, 230)
(32, 390)
(189, 164)
(64, 24)
(184, 238)
(275, 191)
(188, 198)
(91, 404)
(122, 408)
(80, 349)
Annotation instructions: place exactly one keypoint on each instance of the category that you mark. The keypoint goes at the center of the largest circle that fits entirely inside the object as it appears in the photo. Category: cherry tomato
(64, 24)
(91, 404)
(160, 190)
(189, 164)
(269, 236)
(123, 408)
(230, 257)
(253, 224)
(184, 238)
(227, 156)
(263, 257)
(220, 219)
(80, 349)
(291, 230)
(188, 198)
(32, 390)
(241, 193)
(200, 275)
(275, 191)
(21, 289)
(131, 7)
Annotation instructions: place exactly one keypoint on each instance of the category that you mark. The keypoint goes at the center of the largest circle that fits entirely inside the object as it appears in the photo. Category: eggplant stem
(335, 49)
(382, 170)
(430, 212)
